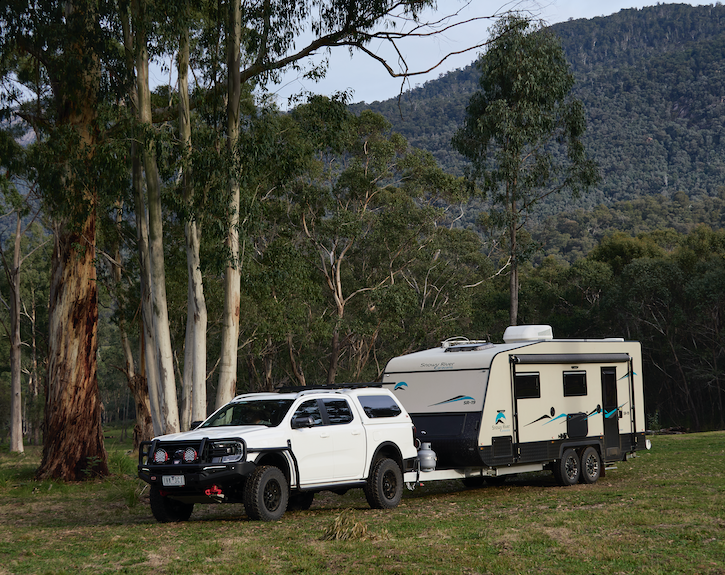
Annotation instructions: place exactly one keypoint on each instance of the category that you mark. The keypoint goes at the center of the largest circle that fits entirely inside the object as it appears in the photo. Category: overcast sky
(369, 81)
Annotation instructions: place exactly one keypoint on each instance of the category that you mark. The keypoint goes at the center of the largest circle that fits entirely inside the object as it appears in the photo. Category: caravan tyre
(384, 488)
(568, 468)
(591, 465)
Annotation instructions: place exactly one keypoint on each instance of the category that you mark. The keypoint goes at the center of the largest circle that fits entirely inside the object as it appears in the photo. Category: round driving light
(161, 456)
(190, 455)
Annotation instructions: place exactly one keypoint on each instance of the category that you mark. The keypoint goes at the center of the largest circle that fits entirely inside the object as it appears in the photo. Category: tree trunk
(514, 276)
(232, 288)
(296, 364)
(34, 407)
(334, 355)
(143, 429)
(149, 364)
(73, 448)
(194, 379)
(162, 336)
(73, 443)
(16, 419)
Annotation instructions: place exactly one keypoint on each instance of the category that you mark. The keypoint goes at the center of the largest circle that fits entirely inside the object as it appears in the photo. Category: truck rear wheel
(384, 488)
(266, 494)
(568, 468)
(168, 510)
(591, 465)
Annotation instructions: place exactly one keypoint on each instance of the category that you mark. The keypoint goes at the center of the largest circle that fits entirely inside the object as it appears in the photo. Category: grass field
(663, 512)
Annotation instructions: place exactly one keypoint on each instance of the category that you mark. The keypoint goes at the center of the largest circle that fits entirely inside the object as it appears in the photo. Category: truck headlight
(228, 451)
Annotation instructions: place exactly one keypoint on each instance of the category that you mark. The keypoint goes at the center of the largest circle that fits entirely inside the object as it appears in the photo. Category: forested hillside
(653, 85)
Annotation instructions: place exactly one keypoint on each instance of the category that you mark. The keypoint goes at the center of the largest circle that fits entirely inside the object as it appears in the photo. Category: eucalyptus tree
(277, 34)
(523, 130)
(20, 208)
(56, 76)
(365, 217)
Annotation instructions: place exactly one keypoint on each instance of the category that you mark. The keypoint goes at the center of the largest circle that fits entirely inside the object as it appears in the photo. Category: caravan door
(611, 413)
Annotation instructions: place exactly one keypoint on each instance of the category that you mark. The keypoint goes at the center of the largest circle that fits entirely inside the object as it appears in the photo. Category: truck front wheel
(266, 494)
(167, 510)
(384, 488)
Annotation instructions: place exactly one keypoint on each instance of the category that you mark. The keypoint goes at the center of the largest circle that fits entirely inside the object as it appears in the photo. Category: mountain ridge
(653, 84)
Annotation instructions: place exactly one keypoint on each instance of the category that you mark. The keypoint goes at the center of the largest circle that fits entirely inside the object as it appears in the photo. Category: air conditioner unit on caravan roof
(519, 333)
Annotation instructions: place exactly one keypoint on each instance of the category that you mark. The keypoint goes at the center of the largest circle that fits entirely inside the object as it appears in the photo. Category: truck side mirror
(302, 421)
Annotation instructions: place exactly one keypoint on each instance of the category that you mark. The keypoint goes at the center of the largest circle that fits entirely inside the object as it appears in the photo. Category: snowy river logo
(441, 366)
(400, 385)
(500, 425)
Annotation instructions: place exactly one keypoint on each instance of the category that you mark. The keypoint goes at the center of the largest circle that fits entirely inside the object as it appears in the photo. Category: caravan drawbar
(484, 410)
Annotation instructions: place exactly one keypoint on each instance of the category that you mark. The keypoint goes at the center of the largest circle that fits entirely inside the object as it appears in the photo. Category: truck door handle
(324, 434)
(356, 431)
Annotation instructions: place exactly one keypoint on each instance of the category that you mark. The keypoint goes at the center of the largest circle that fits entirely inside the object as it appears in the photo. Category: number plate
(173, 480)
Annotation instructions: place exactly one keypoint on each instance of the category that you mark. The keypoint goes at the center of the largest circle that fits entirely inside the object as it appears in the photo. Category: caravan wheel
(591, 465)
(568, 468)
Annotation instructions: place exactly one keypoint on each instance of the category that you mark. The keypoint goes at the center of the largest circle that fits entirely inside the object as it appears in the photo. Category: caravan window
(526, 386)
(575, 383)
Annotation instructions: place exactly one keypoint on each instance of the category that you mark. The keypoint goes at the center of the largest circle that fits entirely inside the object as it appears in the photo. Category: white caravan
(532, 403)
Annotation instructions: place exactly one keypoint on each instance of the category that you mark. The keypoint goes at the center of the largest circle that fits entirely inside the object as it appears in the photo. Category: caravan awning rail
(571, 358)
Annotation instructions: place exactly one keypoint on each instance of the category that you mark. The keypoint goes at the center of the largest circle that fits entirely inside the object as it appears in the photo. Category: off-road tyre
(591, 467)
(168, 510)
(384, 488)
(266, 494)
(568, 469)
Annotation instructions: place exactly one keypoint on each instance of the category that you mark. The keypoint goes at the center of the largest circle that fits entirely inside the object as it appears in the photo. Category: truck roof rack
(327, 387)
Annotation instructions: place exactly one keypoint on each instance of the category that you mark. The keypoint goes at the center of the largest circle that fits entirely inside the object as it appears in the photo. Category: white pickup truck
(271, 450)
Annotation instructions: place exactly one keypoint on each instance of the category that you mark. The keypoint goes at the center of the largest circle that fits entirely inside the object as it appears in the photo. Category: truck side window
(526, 386)
(575, 383)
(338, 411)
(309, 408)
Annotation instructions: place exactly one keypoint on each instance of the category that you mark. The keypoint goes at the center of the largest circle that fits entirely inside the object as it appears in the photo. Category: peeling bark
(73, 447)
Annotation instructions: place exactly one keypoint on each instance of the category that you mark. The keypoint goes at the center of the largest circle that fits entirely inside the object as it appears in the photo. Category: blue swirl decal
(400, 385)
